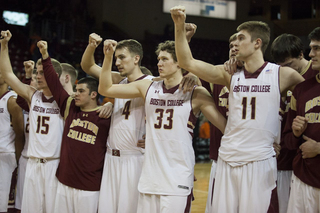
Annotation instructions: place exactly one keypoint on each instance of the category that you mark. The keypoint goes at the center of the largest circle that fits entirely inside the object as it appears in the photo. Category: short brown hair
(133, 46)
(70, 70)
(257, 29)
(55, 63)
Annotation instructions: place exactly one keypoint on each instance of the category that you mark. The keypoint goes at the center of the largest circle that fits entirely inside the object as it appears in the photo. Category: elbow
(84, 66)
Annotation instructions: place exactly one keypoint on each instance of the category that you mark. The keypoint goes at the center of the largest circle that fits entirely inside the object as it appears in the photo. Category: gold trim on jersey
(66, 111)
(90, 110)
(293, 103)
(318, 77)
(306, 68)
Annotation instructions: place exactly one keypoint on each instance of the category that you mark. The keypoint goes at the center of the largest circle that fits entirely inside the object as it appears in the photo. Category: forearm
(87, 60)
(105, 76)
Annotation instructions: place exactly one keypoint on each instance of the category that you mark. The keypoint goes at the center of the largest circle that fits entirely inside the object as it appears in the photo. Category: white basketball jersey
(45, 127)
(127, 122)
(253, 122)
(7, 134)
(24, 152)
(169, 158)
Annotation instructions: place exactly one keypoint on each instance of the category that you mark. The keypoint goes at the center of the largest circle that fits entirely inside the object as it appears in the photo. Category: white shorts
(211, 184)
(7, 165)
(245, 188)
(71, 200)
(283, 189)
(164, 203)
(119, 186)
(40, 186)
(20, 182)
(303, 197)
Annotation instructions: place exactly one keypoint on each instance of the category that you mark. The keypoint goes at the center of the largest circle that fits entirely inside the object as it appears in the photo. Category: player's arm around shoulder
(134, 89)
(289, 78)
(202, 101)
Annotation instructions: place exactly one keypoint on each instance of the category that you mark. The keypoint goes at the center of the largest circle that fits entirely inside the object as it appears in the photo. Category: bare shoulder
(289, 78)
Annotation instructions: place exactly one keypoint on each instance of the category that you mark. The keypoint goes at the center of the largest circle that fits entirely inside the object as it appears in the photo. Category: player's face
(166, 65)
(232, 50)
(315, 54)
(41, 80)
(82, 95)
(294, 63)
(244, 47)
(125, 61)
(34, 81)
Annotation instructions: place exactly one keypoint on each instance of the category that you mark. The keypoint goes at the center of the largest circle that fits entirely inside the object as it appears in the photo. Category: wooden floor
(200, 190)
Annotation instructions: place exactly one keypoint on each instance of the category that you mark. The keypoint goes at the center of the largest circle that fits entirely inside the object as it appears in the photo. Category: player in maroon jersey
(287, 50)
(301, 133)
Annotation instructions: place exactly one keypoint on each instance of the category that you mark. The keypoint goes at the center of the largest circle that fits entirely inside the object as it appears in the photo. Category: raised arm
(106, 88)
(10, 78)
(213, 74)
(202, 100)
(88, 63)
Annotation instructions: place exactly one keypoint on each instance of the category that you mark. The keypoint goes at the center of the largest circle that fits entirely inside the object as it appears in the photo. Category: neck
(173, 80)
(303, 65)
(68, 88)
(46, 92)
(89, 106)
(254, 62)
(136, 73)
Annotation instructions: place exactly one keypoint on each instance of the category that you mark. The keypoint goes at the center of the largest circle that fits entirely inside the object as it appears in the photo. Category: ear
(67, 79)
(136, 59)
(301, 56)
(258, 43)
(93, 94)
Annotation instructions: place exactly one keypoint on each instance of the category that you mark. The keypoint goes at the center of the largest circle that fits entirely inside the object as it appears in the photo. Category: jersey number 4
(253, 108)
(161, 112)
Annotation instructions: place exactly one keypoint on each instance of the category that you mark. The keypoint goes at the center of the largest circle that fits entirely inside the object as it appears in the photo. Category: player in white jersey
(123, 161)
(11, 136)
(45, 132)
(167, 174)
(246, 172)
(30, 78)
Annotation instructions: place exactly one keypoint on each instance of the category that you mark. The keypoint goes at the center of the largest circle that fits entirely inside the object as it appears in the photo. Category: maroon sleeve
(291, 141)
(57, 90)
(20, 101)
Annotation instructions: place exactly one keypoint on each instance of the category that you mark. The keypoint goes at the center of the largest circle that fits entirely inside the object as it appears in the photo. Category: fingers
(141, 143)
(306, 138)
(5, 36)
(178, 9)
(109, 46)
(94, 39)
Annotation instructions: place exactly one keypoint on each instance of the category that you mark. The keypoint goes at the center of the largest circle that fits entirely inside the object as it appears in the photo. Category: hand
(94, 40)
(190, 30)
(230, 66)
(5, 37)
(43, 48)
(142, 142)
(106, 110)
(178, 14)
(109, 46)
(188, 82)
(277, 148)
(28, 68)
(299, 125)
(310, 148)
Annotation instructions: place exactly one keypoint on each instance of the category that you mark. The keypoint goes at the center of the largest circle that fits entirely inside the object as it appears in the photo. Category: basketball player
(302, 133)
(45, 133)
(167, 174)
(30, 78)
(287, 50)
(246, 167)
(11, 139)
